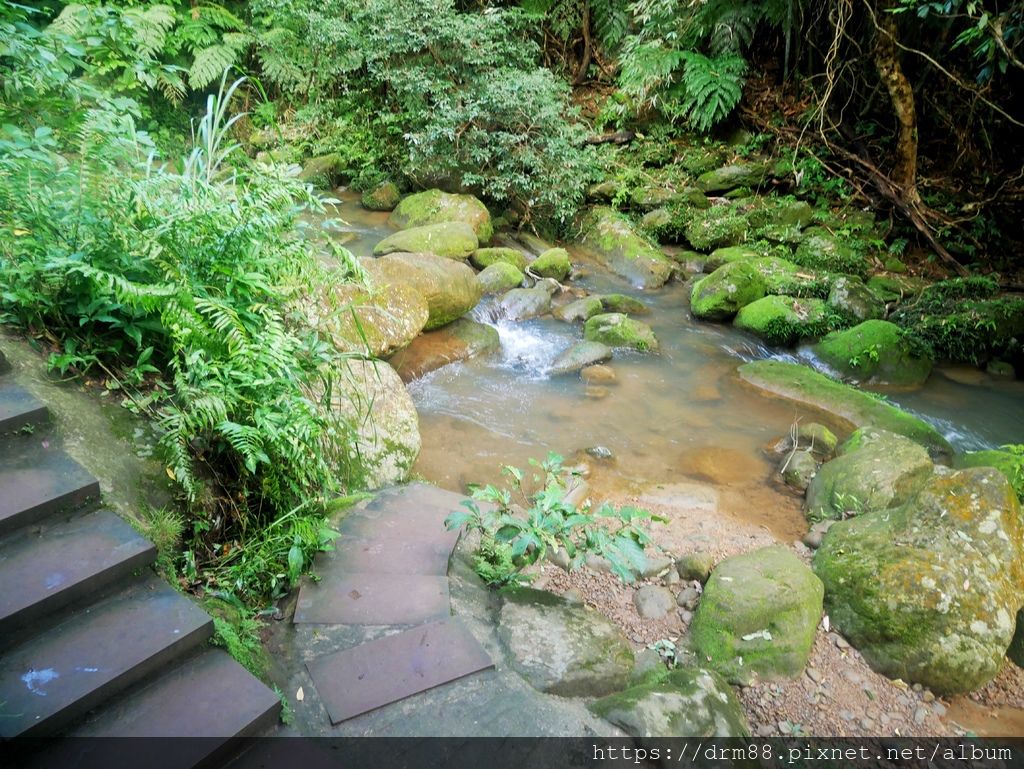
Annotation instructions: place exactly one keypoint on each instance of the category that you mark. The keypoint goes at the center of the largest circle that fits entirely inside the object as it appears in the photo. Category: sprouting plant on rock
(518, 527)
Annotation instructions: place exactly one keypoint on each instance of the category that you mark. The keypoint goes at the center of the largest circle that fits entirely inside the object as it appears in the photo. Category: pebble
(928, 696)
(655, 565)
(867, 724)
(839, 641)
(573, 596)
(653, 601)
(939, 708)
(596, 392)
(813, 539)
(688, 598)
(685, 615)
(600, 452)
(765, 730)
(847, 715)
(814, 674)
(920, 714)
(671, 578)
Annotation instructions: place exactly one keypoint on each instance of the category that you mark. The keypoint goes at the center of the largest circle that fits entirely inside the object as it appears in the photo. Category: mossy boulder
(821, 250)
(721, 256)
(648, 198)
(874, 352)
(483, 258)
(618, 330)
(370, 397)
(896, 288)
(853, 299)
(1007, 462)
(454, 240)
(929, 591)
(437, 207)
(553, 263)
(757, 616)
(449, 287)
(782, 320)
(732, 176)
(613, 242)
(851, 406)
(499, 277)
(562, 648)
(376, 320)
(579, 310)
(685, 702)
(623, 303)
(459, 340)
(322, 171)
(525, 303)
(722, 294)
(580, 355)
(716, 227)
(382, 197)
(873, 470)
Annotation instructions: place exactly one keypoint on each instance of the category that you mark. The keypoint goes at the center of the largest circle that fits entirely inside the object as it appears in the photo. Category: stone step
(20, 410)
(49, 681)
(46, 567)
(38, 480)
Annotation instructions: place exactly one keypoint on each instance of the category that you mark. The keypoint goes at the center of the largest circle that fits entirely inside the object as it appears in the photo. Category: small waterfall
(528, 348)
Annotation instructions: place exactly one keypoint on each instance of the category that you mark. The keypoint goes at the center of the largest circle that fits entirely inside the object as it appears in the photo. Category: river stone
(455, 240)
(553, 263)
(580, 355)
(757, 616)
(685, 702)
(460, 340)
(654, 220)
(611, 239)
(653, 601)
(437, 207)
(799, 469)
(781, 319)
(874, 352)
(696, 566)
(817, 438)
(561, 648)
(483, 258)
(375, 320)
(617, 330)
(929, 591)
(822, 251)
(524, 303)
(450, 287)
(1007, 462)
(804, 385)
(382, 197)
(322, 171)
(852, 298)
(720, 295)
(716, 227)
(579, 310)
(730, 177)
(371, 398)
(875, 469)
(623, 303)
(598, 375)
(499, 277)
(721, 256)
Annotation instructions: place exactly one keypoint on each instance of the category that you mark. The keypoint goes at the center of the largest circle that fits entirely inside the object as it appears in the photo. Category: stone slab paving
(389, 568)
(370, 675)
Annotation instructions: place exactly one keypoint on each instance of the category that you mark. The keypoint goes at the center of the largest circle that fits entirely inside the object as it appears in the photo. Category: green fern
(711, 88)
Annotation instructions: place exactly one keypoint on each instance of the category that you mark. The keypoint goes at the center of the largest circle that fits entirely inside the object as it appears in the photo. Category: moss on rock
(611, 239)
(499, 277)
(553, 263)
(454, 240)
(382, 197)
(483, 258)
(720, 295)
(874, 352)
(618, 330)
(436, 207)
(782, 320)
(802, 384)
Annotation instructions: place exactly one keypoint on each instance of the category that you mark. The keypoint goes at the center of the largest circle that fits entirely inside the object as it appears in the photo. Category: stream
(679, 411)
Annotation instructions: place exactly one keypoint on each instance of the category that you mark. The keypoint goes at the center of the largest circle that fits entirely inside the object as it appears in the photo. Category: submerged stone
(580, 355)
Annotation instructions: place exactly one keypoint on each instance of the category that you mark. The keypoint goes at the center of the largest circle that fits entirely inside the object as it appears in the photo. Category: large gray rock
(611, 239)
(562, 648)
(929, 591)
(580, 355)
(455, 240)
(686, 702)
(757, 616)
(875, 469)
(653, 601)
(525, 303)
(370, 398)
(436, 207)
(449, 287)
(579, 310)
(852, 298)
(730, 177)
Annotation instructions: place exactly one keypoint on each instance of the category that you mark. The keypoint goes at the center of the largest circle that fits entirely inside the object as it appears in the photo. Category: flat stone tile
(374, 674)
(384, 556)
(374, 599)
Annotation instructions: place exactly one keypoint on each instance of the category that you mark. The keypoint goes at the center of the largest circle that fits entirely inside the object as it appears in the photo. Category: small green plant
(867, 354)
(517, 528)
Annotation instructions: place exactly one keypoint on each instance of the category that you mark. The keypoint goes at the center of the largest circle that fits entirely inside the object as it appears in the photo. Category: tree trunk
(887, 62)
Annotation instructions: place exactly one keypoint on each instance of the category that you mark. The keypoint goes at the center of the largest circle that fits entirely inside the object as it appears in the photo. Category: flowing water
(681, 413)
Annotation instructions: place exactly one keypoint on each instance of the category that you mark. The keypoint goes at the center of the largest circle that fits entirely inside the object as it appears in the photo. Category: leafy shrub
(181, 287)
(517, 528)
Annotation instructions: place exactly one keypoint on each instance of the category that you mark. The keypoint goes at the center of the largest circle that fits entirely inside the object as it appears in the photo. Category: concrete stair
(92, 642)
